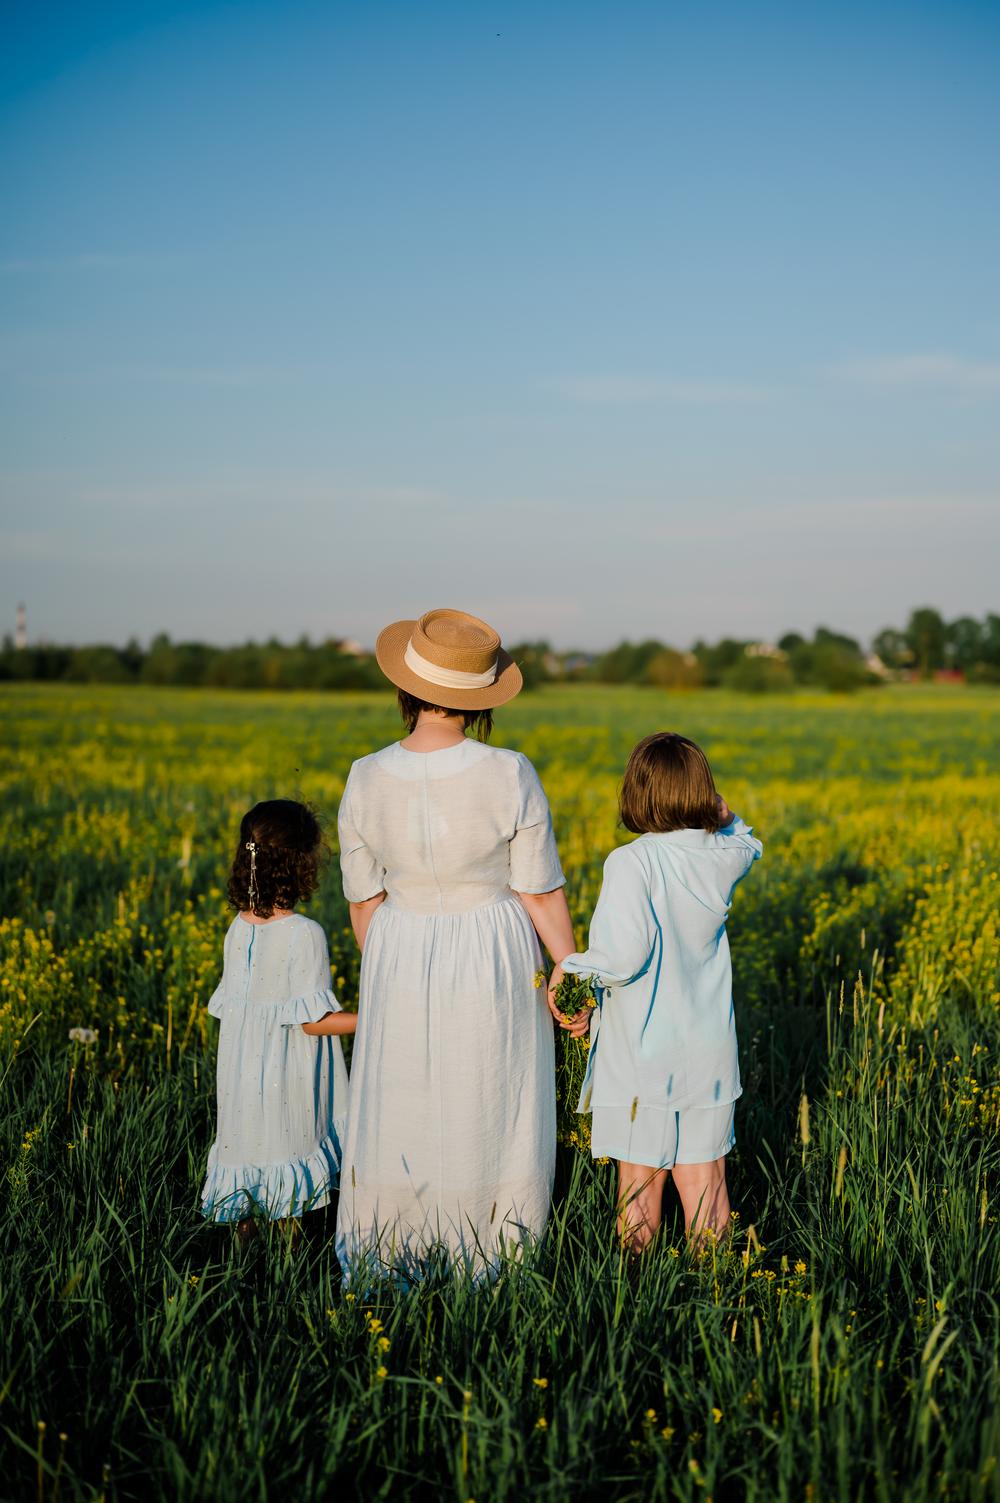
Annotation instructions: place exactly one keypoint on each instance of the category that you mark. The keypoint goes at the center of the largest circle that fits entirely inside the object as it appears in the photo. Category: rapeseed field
(844, 1344)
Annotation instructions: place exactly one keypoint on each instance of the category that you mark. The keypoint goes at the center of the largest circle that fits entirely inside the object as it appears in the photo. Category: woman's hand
(550, 996)
(725, 813)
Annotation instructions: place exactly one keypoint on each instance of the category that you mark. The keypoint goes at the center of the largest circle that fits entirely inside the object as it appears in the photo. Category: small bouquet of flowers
(573, 995)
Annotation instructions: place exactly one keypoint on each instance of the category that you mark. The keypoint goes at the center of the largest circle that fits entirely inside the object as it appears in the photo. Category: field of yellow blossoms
(843, 1344)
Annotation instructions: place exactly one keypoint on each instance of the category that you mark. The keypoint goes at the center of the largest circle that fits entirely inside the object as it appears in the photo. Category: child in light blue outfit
(281, 1078)
(662, 1074)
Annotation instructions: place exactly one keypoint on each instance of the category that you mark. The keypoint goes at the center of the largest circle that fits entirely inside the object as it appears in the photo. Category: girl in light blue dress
(662, 1073)
(282, 1082)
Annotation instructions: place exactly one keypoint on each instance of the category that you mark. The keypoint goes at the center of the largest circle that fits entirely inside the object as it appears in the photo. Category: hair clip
(254, 893)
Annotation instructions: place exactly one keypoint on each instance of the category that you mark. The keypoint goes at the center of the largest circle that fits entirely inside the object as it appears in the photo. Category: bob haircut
(668, 785)
(290, 857)
(479, 722)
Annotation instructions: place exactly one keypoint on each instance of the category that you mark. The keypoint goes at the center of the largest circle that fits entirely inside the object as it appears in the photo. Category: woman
(452, 875)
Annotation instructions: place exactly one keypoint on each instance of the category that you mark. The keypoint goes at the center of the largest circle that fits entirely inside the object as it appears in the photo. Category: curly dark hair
(479, 722)
(290, 857)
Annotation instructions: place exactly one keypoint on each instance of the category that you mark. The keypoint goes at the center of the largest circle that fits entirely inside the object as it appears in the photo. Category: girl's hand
(337, 1023)
(725, 813)
(575, 1027)
(578, 1026)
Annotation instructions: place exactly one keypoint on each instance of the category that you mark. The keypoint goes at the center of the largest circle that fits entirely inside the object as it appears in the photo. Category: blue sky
(673, 319)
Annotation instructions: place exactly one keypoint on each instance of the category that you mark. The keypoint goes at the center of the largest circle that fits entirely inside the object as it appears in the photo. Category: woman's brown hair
(668, 785)
(479, 722)
(289, 858)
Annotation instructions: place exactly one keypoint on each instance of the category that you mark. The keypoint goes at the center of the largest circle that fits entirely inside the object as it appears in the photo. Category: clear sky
(598, 319)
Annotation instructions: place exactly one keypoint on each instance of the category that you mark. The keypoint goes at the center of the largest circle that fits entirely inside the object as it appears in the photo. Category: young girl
(662, 1074)
(282, 1083)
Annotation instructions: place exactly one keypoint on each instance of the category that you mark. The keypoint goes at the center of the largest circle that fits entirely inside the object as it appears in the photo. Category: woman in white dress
(452, 875)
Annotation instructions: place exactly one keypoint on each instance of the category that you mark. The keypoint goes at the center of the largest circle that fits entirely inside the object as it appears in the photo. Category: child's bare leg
(704, 1197)
(640, 1204)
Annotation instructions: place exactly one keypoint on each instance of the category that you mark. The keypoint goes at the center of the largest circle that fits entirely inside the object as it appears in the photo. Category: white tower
(21, 629)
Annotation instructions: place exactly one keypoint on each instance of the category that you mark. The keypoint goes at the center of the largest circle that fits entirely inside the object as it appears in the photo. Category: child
(282, 1083)
(662, 1074)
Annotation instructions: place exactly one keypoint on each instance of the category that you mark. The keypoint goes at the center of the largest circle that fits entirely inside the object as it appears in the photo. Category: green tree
(824, 637)
(759, 675)
(830, 661)
(991, 640)
(97, 665)
(893, 648)
(964, 643)
(627, 663)
(160, 666)
(532, 658)
(715, 662)
(925, 637)
(670, 669)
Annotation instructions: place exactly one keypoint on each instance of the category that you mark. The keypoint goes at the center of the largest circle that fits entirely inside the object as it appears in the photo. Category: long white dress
(282, 1093)
(451, 1130)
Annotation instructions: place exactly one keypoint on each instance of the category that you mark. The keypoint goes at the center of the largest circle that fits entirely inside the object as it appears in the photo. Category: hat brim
(390, 652)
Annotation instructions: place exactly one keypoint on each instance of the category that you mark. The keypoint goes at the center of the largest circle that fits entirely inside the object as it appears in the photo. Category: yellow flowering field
(120, 809)
(843, 1343)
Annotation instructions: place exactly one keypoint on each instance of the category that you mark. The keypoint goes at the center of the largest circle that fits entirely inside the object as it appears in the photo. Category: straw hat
(448, 658)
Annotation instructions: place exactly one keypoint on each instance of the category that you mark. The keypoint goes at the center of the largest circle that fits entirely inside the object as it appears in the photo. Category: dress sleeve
(313, 995)
(742, 834)
(363, 874)
(623, 930)
(534, 859)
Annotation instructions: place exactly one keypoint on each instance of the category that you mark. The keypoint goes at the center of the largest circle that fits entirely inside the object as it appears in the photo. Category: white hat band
(446, 678)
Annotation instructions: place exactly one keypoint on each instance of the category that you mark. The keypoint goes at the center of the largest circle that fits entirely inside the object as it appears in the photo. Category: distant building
(877, 668)
(21, 629)
(352, 649)
(766, 650)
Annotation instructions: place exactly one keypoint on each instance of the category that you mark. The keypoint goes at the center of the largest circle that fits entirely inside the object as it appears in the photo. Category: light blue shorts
(660, 1139)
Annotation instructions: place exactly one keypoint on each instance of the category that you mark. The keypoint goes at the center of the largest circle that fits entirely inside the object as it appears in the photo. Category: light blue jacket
(664, 1035)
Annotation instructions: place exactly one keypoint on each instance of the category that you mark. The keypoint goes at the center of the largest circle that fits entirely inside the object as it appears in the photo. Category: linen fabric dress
(451, 1134)
(663, 1039)
(282, 1093)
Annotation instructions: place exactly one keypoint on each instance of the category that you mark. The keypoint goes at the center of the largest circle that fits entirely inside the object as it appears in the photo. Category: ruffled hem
(306, 1009)
(232, 1192)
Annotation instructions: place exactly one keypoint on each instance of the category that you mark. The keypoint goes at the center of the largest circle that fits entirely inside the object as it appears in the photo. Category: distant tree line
(253, 665)
(926, 647)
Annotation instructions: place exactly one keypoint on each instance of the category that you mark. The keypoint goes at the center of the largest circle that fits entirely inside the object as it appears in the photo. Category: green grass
(181, 1366)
